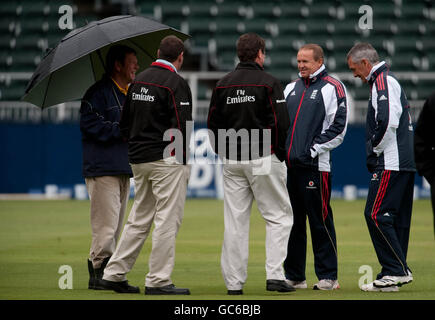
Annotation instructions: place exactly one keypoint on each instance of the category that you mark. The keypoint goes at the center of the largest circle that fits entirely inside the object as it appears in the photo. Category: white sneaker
(389, 281)
(297, 284)
(326, 284)
(371, 288)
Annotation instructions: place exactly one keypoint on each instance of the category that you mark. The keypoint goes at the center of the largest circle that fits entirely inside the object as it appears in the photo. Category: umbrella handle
(104, 66)
(116, 97)
(101, 59)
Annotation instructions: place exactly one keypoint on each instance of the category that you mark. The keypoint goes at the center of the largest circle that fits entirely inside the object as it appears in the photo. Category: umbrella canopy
(68, 70)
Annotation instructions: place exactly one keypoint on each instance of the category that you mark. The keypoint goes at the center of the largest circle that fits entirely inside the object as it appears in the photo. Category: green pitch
(38, 237)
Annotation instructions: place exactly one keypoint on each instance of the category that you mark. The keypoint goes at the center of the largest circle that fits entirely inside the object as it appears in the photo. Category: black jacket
(424, 140)
(104, 150)
(157, 101)
(246, 99)
(318, 114)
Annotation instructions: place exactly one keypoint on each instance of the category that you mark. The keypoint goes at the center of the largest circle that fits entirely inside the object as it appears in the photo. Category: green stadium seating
(402, 33)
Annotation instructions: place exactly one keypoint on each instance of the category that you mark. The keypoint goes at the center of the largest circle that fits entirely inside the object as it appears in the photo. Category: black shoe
(235, 292)
(120, 287)
(91, 283)
(278, 285)
(100, 271)
(169, 289)
(98, 274)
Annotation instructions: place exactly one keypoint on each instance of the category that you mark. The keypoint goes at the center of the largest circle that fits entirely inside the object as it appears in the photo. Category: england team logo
(311, 185)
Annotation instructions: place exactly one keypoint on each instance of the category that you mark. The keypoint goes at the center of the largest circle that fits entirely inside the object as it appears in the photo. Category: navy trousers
(310, 194)
(388, 216)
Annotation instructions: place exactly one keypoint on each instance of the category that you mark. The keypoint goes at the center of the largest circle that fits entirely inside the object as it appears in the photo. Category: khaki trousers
(160, 194)
(108, 197)
(242, 184)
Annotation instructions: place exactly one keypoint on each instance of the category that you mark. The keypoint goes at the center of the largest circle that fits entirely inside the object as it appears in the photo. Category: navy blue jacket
(389, 130)
(105, 153)
(318, 120)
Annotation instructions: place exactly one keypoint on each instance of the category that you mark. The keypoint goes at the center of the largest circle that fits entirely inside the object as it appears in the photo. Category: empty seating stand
(402, 32)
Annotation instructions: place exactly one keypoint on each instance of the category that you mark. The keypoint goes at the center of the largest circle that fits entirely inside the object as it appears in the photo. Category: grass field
(37, 237)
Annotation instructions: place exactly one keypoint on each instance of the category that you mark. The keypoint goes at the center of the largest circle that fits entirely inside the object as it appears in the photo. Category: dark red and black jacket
(158, 101)
(249, 98)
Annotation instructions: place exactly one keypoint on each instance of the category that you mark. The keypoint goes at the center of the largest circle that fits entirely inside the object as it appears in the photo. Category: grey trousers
(160, 194)
(108, 197)
(264, 181)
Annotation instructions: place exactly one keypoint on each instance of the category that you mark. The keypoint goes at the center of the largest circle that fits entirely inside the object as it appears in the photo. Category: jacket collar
(376, 71)
(121, 89)
(249, 65)
(165, 64)
(320, 73)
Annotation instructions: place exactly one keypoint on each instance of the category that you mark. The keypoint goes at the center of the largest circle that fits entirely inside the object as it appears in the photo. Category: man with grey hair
(390, 160)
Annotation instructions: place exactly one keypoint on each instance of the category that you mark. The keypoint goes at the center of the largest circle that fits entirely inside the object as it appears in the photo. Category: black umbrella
(68, 70)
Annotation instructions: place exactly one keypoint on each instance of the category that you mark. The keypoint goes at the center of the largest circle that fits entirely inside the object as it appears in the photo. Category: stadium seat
(35, 9)
(291, 10)
(227, 60)
(228, 26)
(405, 62)
(410, 27)
(265, 10)
(421, 90)
(412, 10)
(280, 59)
(145, 7)
(322, 10)
(172, 9)
(233, 9)
(202, 9)
(13, 90)
(282, 43)
(290, 27)
(385, 10)
(11, 9)
(403, 45)
(5, 61)
(256, 25)
(350, 10)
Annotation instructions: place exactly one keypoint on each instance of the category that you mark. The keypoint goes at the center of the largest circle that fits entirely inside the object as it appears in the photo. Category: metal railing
(20, 112)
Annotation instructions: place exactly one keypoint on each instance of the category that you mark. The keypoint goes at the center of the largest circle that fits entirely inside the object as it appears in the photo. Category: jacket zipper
(294, 126)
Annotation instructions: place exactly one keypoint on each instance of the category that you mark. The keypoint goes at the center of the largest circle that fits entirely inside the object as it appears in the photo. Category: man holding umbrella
(75, 69)
(105, 158)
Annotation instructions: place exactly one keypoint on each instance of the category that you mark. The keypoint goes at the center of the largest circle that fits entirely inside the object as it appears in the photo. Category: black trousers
(432, 196)
(388, 216)
(310, 194)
